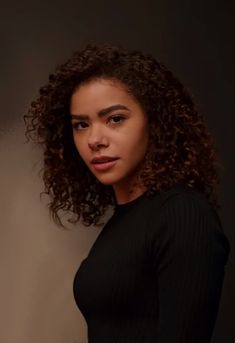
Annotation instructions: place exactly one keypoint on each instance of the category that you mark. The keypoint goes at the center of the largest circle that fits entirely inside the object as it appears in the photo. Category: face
(108, 121)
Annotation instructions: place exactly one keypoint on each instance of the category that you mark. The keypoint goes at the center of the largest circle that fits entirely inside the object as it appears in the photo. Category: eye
(117, 118)
(75, 125)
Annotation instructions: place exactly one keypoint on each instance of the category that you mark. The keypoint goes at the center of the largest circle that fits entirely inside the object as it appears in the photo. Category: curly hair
(181, 149)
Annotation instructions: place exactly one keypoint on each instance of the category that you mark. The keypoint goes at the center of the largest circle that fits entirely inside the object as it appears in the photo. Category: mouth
(105, 165)
(103, 160)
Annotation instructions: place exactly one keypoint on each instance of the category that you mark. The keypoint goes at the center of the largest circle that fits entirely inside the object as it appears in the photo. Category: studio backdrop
(38, 260)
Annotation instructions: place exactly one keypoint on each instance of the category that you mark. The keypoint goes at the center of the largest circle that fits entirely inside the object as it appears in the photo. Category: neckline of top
(130, 203)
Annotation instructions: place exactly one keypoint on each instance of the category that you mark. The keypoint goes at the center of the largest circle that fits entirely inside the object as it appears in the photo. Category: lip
(103, 159)
(104, 165)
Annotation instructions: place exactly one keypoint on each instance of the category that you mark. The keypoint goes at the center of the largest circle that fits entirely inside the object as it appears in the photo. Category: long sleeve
(155, 273)
(188, 257)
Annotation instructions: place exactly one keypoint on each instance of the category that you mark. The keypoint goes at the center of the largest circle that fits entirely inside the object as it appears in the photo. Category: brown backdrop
(38, 261)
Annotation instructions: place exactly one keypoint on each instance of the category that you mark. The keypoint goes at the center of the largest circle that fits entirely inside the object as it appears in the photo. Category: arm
(188, 255)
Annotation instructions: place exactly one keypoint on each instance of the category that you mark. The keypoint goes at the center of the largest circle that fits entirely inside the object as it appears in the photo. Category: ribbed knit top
(155, 272)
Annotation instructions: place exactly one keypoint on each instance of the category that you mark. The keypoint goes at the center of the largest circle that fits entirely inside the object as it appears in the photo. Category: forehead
(101, 92)
(98, 87)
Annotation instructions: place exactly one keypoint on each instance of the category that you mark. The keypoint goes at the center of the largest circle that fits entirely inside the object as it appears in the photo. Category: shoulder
(184, 195)
(181, 200)
(185, 205)
(188, 222)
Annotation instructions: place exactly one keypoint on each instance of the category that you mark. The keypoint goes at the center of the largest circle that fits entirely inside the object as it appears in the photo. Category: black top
(155, 272)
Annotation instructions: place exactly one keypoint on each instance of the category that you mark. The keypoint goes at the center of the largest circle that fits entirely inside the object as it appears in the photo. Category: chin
(108, 179)
(106, 182)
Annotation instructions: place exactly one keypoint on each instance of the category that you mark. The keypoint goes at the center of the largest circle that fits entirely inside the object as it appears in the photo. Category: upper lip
(103, 159)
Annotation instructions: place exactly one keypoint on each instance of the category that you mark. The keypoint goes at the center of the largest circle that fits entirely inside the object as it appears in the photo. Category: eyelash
(75, 125)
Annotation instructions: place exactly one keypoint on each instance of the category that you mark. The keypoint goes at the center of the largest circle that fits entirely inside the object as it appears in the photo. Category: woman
(118, 129)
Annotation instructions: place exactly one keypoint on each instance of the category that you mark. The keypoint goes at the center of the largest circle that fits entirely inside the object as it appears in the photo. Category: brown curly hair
(181, 150)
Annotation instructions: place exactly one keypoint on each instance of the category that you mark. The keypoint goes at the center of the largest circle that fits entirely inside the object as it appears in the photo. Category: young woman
(118, 129)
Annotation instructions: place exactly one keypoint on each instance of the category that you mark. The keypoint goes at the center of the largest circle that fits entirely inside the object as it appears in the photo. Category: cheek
(135, 147)
(79, 146)
(76, 143)
(139, 140)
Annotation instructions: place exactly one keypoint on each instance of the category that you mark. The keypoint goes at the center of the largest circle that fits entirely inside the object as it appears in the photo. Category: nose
(97, 139)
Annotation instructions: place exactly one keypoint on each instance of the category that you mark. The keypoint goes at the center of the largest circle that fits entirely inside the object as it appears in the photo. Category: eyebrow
(101, 113)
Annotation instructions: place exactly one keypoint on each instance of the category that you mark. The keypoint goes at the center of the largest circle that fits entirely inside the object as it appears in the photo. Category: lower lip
(105, 165)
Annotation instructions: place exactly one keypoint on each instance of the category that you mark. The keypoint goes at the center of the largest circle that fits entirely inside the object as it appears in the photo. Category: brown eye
(117, 118)
(75, 125)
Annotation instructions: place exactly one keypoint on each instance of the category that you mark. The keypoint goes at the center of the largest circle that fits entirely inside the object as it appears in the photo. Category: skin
(120, 133)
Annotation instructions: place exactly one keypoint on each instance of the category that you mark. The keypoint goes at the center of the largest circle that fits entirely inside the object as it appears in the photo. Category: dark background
(195, 39)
